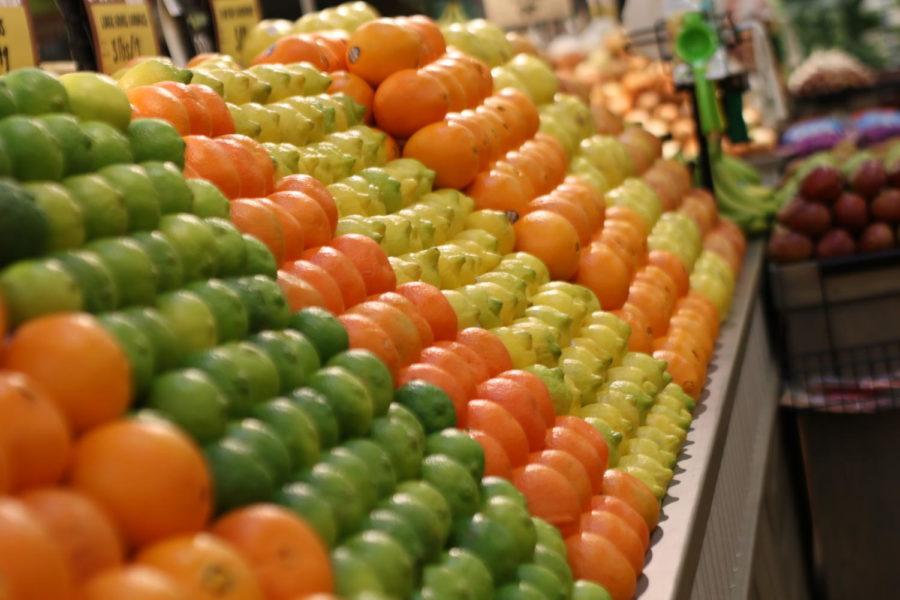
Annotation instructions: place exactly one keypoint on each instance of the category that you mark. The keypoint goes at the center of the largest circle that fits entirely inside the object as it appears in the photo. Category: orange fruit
(688, 322)
(391, 148)
(79, 527)
(538, 390)
(673, 267)
(134, 582)
(369, 259)
(439, 377)
(534, 169)
(500, 424)
(626, 240)
(482, 70)
(152, 101)
(210, 161)
(343, 82)
(702, 304)
(199, 120)
(206, 566)
(597, 559)
(308, 214)
(76, 363)
(487, 149)
(382, 47)
(476, 364)
(409, 309)
(401, 329)
(408, 100)
(469, 81)
(653, 303)
(299, 293)
(34, 435)
(221, 121)
(489, 347)
(499, 129)
(634, 493)
(291, 230)
(618, 507)
(570, 211)
(292, 49)
(33, 565)
(585, 199)
(498, 190)
(563, 438)
(313, 188)
(511, 114)
(719, 242)
(5, 472)
(342, 269)
(434, 308)
(614, 529)
(507, 167)
(553, 153)
(251, 182)
(4, 318)
(527, 110)
(255, 219)
(685, 370)
(148, 476)
(450, 150)
(551, 238)
(641, 339)
(700, 206)
(365, 333)
(333, 45)
(550, 496)
(628, 215)
(735, 233)
(262, 162)
(432, 40)
(569, 467)
(496, 462)
(605, 273)
(451, 363)
(285, 553)
(518, 400)
(457, 99)
(661, 184)
(588, 433)
(321, 280)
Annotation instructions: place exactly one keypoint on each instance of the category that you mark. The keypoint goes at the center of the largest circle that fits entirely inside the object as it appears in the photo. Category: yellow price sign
(234, 19)
(122, 30)
(17, 48)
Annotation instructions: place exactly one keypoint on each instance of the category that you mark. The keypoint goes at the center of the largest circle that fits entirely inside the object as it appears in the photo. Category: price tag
(234, 19)
(17, 47)
(520, 13)
(122, 30)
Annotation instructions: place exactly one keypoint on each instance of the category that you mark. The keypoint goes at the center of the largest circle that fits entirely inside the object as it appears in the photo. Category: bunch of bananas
(741, 195)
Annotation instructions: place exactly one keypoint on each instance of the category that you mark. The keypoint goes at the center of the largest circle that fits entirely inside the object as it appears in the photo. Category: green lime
(373, 373)
(440, 581)
(348, 397)
(378, 462)
(402, 446)
(422, 518)
(231, 254)
(232, 322)
(555, 562)
(341, 495)
(260, 260)
(262, 376)
(454, 482)
(94, 278)
(353, 576)
(64, 215)
(141, 199)
(239, 478)
(162, 338)
(208, 200)
(544, 580)
(194, 242)
(25, 230)
(517, 520)
(108, 145)
(315, 406)
(401, 415)
(163, 254)
(102, 206)
(588, 590)
(190, 319)
(431, 405)
(294, 428)
(519, 590)
(93, 96)
(31, 288)
(398, 527)
(133, 271)
(322, 329)
(174, 194)
(6, 166)
(228, 376)
(7, 102)
(155, 139)
(71, 140)
(266, 447)
(191, 400)
(471, 569)
(459, 446)
(294, 356)
(312, 506)
(388, 558)
(137, 348)
(36, 91)
(548, 535)
(494, 487)
(265, 302)
(356, 471)
(32, 149)
(488, 539)
(432, 498)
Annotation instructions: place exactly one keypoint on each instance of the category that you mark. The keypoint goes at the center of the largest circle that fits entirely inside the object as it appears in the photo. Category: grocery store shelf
(704, 545)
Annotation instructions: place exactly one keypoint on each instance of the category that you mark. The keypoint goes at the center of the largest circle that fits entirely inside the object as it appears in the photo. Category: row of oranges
(236, 164)
(325, 50)
(192, 109)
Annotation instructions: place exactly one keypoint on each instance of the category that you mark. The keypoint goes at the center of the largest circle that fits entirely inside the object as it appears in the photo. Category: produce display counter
(717, 537)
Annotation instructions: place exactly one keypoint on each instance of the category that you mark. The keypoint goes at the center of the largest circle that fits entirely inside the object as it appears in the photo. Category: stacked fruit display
(294, 367)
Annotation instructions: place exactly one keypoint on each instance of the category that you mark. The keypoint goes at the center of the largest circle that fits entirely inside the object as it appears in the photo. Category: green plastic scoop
(696, 44)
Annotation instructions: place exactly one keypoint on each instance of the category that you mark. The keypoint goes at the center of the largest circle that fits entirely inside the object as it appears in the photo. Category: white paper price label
(521, 13)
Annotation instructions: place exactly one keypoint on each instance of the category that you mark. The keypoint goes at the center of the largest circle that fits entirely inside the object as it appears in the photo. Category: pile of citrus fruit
(378, 316)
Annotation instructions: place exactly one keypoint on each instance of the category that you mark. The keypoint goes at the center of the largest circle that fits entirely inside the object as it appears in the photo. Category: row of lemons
(427, 443)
